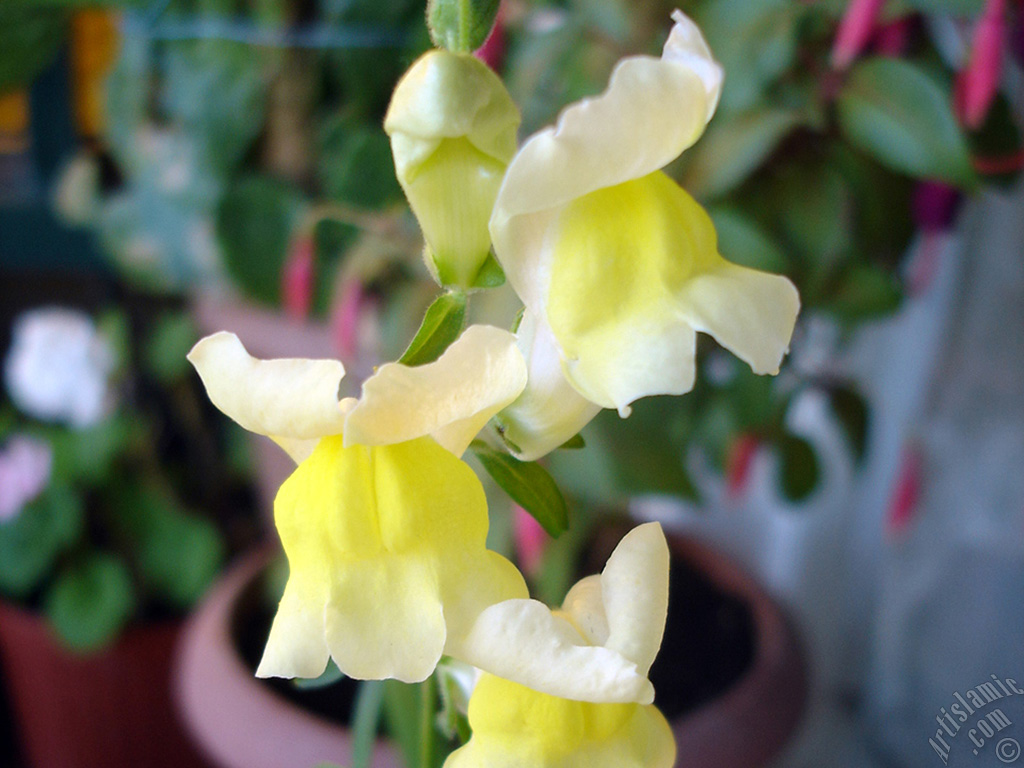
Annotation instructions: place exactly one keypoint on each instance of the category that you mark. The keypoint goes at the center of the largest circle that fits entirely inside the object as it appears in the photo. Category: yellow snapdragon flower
(569, 688)
(383, 525)
(515, 727)
(599, 646)
(613, 256)
(453, 131)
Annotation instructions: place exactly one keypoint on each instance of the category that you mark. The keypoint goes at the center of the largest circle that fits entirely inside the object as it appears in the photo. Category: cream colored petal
(634, 588)
(287, 398)
(652, 110)
(295, 647)
(451, 398)
(687, 45)
(750, 313)
(550, 410)
(652, 354)
(584, 607)
(447, 95)
(523, 641)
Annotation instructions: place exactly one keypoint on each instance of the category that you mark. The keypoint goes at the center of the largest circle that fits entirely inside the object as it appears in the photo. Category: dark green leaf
(891, 109)
(29, 41)
(529, 485)
(255, 223)
(997, 144)
(31, 543)
(799, 467)
(574, 443)
(742, 241)
(733, 149)
(355, 164)
(441, 325)
(171, 339)
(852, 411)
(864, 292)
(90, 602)
(755, 43)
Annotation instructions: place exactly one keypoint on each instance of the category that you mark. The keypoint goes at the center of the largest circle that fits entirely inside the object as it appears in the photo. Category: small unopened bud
(453, 132)
(855, 29)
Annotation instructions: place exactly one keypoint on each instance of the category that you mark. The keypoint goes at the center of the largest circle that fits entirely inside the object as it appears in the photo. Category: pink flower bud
(492, 52)
(934, 205)
(892, 38)
(978, 83)
(530, 539)
(297, 279)
(855, 29)
(741, 456)
(345, 318)
(907, 493)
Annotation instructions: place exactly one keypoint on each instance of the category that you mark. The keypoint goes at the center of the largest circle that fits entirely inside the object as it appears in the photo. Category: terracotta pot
(241, 721)
(751, 722)
(112, 709)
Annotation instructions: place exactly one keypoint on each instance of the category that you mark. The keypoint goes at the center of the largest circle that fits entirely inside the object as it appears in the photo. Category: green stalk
(427, 712)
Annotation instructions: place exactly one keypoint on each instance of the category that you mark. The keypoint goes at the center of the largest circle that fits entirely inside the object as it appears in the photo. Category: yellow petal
(652, 110)
(290, 399)
(550, 410)
(515, 727)
(387, 554)
(450, 399)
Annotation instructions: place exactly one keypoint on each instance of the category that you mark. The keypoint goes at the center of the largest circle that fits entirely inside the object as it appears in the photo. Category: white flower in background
(25, 465)
(58, 367)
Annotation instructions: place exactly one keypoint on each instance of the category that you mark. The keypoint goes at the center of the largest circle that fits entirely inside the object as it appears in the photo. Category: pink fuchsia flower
(855, 30)
(297, 278)
(25, 465)
(978, 84)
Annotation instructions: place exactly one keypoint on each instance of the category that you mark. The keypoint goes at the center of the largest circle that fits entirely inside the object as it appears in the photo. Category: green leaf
(441, 325)
(172, 337)
(742, 241)
(31, 543)
(161, 537)
(755, 41)
(355, 163)
(90, 602)
(529, 485)
(88, 455)
(800, 472)
(29, 41)
(255, 223)
(864, 292)
(368, 706)
(851, 410)
(956, 7)
(461, 25)
(894, 111)
(733, 149)
(574, 443)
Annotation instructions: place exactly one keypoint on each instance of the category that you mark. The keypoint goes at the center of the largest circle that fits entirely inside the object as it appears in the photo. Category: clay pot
(240, 721)
(112, 709)
(748, 724)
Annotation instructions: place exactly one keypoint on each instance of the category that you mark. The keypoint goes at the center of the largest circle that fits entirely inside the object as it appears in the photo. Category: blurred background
(169, 168)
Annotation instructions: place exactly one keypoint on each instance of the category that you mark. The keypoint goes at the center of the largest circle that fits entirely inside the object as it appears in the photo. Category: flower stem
(427, 712)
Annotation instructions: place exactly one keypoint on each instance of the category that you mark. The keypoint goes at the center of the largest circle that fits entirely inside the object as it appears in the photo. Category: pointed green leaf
(799, 470)
(369, 703)
(891, 109)
(441, 325)
(529, 485)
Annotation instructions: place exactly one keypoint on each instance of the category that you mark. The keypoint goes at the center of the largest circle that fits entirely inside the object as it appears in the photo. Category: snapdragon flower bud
(453, 132)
